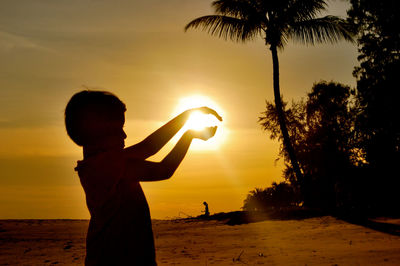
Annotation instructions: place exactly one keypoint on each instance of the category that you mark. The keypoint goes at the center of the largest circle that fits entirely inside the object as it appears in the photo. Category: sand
(314, 241)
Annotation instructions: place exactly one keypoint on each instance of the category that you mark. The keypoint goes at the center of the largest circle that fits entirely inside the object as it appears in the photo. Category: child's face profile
(117, 139)
(114, 135)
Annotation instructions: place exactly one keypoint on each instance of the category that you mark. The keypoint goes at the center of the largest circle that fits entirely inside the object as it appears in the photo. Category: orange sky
(138, 50)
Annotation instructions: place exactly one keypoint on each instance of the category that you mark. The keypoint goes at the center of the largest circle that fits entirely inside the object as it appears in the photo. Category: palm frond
(285, 13)
(242, 9)
(301, 10)
(320, 30)
(226, 27)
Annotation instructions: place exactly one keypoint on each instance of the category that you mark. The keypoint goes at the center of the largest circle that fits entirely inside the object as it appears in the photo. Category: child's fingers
(214, 130)
(217, 116)
(211, 131)
(208, 110)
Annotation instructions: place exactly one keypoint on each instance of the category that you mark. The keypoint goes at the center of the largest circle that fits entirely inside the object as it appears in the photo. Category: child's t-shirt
(120, 231)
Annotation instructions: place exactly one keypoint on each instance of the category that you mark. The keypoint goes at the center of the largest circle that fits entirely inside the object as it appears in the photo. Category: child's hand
(203, 134)
(205, 110)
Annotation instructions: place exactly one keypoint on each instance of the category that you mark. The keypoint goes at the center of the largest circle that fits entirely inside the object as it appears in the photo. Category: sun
(198, 121)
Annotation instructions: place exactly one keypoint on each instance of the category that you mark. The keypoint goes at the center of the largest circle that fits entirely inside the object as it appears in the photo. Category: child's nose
(124, 134)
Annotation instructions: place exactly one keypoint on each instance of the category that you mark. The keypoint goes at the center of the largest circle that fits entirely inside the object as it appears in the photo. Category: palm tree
(277, 21)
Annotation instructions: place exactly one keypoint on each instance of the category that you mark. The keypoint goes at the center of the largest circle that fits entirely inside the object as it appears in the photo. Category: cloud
(10, 41)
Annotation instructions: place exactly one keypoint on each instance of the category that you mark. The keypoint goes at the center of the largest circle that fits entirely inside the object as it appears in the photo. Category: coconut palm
(277, 21)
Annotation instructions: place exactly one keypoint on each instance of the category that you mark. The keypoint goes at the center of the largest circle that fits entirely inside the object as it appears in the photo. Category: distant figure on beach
(120, 231)
(206, 211)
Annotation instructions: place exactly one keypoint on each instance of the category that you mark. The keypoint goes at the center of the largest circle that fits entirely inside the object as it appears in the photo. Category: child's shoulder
(104, 163)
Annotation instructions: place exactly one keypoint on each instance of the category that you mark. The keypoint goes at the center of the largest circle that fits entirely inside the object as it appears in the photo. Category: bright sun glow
(198, 121)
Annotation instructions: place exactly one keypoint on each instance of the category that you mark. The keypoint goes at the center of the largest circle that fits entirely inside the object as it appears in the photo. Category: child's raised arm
(151, 171)
(154, 142)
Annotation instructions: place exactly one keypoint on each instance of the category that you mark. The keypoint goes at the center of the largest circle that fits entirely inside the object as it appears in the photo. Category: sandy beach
(313, 241)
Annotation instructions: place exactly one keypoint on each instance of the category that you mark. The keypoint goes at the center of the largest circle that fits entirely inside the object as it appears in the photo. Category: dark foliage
(275, 197)
(378, 94)
(348, 142)
(322, 131)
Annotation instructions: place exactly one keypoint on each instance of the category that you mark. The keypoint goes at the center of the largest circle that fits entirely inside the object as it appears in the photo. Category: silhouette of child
(120, 231)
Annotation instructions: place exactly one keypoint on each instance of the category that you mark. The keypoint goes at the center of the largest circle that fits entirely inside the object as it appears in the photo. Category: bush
(275, 197)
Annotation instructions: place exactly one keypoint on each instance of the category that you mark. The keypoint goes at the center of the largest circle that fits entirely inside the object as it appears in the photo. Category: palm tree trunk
(281, 116)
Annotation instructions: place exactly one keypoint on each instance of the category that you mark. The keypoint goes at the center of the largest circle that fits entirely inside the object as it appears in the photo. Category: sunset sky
(138, 50)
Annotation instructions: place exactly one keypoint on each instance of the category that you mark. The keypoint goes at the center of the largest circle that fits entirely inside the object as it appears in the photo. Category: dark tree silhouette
(274, 197)
(322, 133)
(277, 21)
(378, 122)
